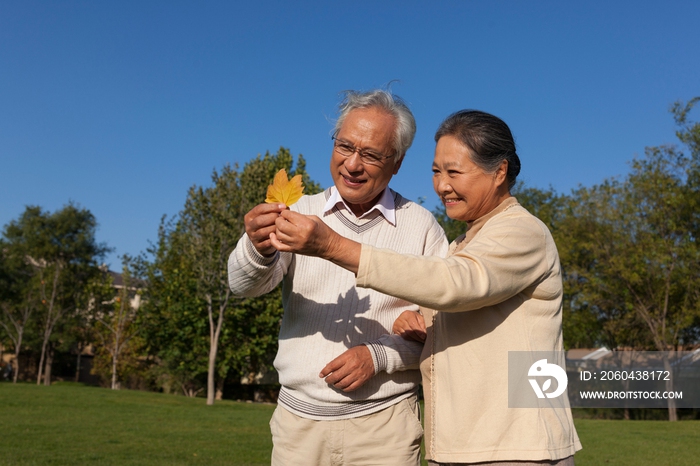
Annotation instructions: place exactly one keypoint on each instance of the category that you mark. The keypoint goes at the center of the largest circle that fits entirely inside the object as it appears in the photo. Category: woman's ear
(501, 173)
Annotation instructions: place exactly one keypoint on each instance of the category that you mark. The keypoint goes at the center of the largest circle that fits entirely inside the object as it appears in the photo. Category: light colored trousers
(390, 437)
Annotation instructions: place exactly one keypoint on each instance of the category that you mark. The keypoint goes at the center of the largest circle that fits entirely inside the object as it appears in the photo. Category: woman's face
(466, 191)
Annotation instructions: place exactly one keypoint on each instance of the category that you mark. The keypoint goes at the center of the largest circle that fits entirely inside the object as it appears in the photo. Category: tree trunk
(211, 389)
(114, 373)
(214, 332)
(16, 361)
(49, 363)
(220, 389)
(77, 364)
(115, 355)
(670, 402)
(48, 328)
(19, 330)
(190, 392)
(41, 362)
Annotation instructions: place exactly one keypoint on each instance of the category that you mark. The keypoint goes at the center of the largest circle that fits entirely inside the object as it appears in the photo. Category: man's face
(360, 184)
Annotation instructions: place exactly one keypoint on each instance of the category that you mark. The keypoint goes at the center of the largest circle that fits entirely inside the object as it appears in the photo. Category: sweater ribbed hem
(379, 356)
(337, 411)
(258, 258)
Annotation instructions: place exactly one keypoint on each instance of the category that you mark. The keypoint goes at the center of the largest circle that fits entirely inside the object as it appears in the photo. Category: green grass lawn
(68, 424)
(76, 425)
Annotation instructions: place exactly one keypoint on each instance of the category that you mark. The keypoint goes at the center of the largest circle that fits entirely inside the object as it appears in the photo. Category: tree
(188, 280)
(62, 250)
(586, 240)
(211, 229)
(633, 251)
(170, 322)
(115, 318)
(17, 300)
(688, 133)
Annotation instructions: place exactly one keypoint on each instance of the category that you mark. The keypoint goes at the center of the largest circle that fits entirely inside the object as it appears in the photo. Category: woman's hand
(410, 325)
(302, 234)
(308, 235)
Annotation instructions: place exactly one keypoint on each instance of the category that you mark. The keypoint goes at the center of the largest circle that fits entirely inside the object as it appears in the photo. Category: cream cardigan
(499, 290)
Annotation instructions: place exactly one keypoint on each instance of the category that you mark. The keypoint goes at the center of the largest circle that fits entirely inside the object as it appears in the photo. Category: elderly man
(348, 393)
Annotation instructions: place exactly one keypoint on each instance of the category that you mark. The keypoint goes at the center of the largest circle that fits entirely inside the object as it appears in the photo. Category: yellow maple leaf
(284, 190)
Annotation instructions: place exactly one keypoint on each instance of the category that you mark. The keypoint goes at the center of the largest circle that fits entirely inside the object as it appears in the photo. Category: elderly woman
(499, 290)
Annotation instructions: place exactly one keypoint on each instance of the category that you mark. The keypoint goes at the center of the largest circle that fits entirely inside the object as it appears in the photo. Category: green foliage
(255, 321)
(65, 237)
(52, 257)
(170, 322)
(546, 205)
(453, 228)
(18, 300)
(114, 316)
(688, 131)
(631, 253)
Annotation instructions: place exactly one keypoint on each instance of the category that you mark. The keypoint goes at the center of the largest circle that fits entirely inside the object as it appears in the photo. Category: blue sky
(120, 107)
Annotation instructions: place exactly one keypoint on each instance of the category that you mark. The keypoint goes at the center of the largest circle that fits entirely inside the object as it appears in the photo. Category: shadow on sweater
(350, 321)
(347, 320)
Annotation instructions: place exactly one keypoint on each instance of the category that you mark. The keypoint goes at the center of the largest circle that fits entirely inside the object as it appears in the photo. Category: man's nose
(353, 163)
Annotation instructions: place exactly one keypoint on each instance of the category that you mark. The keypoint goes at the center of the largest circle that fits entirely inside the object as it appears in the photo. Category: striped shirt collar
(385, 205)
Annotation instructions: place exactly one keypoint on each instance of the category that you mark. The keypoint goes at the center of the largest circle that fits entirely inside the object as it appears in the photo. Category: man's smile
(352, 181)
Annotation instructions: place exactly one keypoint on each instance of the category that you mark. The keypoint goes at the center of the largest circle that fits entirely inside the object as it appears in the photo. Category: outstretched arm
(308, 235)
(255, 267)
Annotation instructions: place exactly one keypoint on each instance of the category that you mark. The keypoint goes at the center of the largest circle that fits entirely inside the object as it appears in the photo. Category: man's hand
(350, 370)
(410, 325)
(259, 223)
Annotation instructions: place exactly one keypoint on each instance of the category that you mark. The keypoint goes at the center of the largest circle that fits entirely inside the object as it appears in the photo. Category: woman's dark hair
(487, 137)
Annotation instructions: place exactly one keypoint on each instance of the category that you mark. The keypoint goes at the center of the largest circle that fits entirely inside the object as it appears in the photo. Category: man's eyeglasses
(369, 157)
